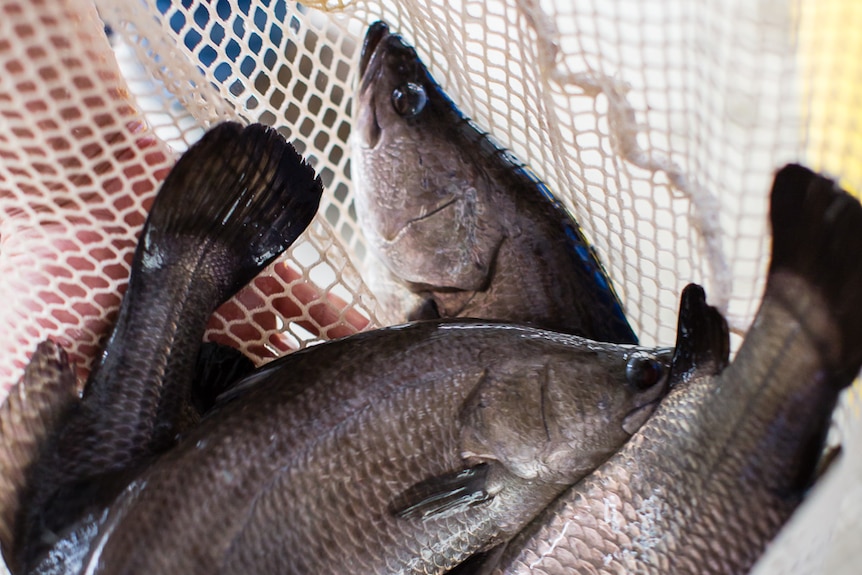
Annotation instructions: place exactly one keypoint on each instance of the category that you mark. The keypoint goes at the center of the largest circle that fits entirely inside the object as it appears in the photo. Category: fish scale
(458, 225)
(705, 485)
(234, 201)
(302, 467)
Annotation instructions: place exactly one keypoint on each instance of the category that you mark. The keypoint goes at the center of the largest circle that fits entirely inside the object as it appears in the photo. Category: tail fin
(702, 338)
(232, 203)
(817, 236)
(246, 189)
(30, 415)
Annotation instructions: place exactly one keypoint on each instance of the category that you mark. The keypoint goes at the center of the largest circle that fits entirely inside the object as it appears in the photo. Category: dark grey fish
(459, 222)
(35, 408)
(233, 202)
(706, 484)
(402, 450)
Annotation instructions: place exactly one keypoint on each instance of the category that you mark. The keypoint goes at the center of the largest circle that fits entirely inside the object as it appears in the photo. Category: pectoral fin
(442, 494)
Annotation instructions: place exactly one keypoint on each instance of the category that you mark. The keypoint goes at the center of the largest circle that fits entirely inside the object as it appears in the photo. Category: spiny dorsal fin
(702, 337)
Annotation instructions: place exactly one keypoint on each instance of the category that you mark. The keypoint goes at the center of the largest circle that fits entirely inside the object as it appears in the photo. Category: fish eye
(409, 99)
(644, 370)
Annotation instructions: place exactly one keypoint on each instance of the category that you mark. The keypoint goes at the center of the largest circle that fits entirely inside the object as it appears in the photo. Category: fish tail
(245, 190)
(702, 340)
(817, 237)
(34, 409)
(233, 202)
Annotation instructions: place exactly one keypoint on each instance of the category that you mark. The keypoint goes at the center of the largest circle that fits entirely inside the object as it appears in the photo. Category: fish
(711, 478)
(459, 226)
(33, 411)
(399, 450)
(233, 202)
(822, 534)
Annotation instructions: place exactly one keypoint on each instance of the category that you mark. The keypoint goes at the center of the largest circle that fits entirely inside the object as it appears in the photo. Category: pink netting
(79, 167)
(658, 122)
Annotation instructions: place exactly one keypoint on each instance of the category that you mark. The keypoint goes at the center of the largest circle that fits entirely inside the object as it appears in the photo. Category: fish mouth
(379, 44)
(369, 68)
(638, 416)
(382, 53)
(375, 35)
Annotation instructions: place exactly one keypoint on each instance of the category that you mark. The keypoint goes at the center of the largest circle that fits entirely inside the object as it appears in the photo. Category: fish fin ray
(246, 189)
(702, 337)
(31, 414)
(442, 494)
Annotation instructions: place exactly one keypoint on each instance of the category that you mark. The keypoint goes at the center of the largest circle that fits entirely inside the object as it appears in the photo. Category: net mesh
(658, 123)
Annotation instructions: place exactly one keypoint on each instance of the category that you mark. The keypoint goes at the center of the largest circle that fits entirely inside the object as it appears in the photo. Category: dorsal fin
(702, 337)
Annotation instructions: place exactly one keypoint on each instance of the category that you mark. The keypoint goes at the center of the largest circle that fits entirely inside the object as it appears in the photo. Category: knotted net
(658, 122)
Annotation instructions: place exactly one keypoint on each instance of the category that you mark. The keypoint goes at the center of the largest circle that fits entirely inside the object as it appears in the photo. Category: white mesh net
(659, 123)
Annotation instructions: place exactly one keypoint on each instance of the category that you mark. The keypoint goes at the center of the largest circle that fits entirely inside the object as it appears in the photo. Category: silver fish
(460, 225)
(706, 484)
(233, 202)
(402, 450)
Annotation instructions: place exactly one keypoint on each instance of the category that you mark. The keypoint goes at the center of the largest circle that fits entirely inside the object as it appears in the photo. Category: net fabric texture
(658, 123)
(81, 163)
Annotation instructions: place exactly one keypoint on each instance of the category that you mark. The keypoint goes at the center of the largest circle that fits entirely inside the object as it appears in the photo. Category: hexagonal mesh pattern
(84, 150)
(658, 123)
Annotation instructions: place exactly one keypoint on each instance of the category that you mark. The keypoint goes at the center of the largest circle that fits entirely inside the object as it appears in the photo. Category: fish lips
(370, 69)
(384, 56)
(375, 35)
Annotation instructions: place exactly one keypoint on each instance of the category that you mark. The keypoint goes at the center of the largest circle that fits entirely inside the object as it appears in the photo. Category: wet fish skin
(389, 452)
(35, 407)
(724, 461)
(236, 200)
(233, 202)
(459, 222)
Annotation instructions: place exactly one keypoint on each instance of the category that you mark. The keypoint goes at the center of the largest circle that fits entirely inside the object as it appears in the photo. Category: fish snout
(377, 32)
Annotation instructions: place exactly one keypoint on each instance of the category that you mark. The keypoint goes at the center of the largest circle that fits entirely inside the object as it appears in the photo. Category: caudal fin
(702, 337)
(817, 236)
(232, 203)
(245, 191)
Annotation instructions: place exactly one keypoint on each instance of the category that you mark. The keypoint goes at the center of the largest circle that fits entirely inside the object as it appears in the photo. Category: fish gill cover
(659, 124)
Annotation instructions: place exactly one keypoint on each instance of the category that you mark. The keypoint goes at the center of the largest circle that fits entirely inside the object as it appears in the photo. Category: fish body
(822, 534)
(233, 202)
(709, 480)
(460, 225)
(402, 450)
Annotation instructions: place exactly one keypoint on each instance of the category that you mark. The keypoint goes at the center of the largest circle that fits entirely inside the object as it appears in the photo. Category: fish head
(558, 418)
(420, 193)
